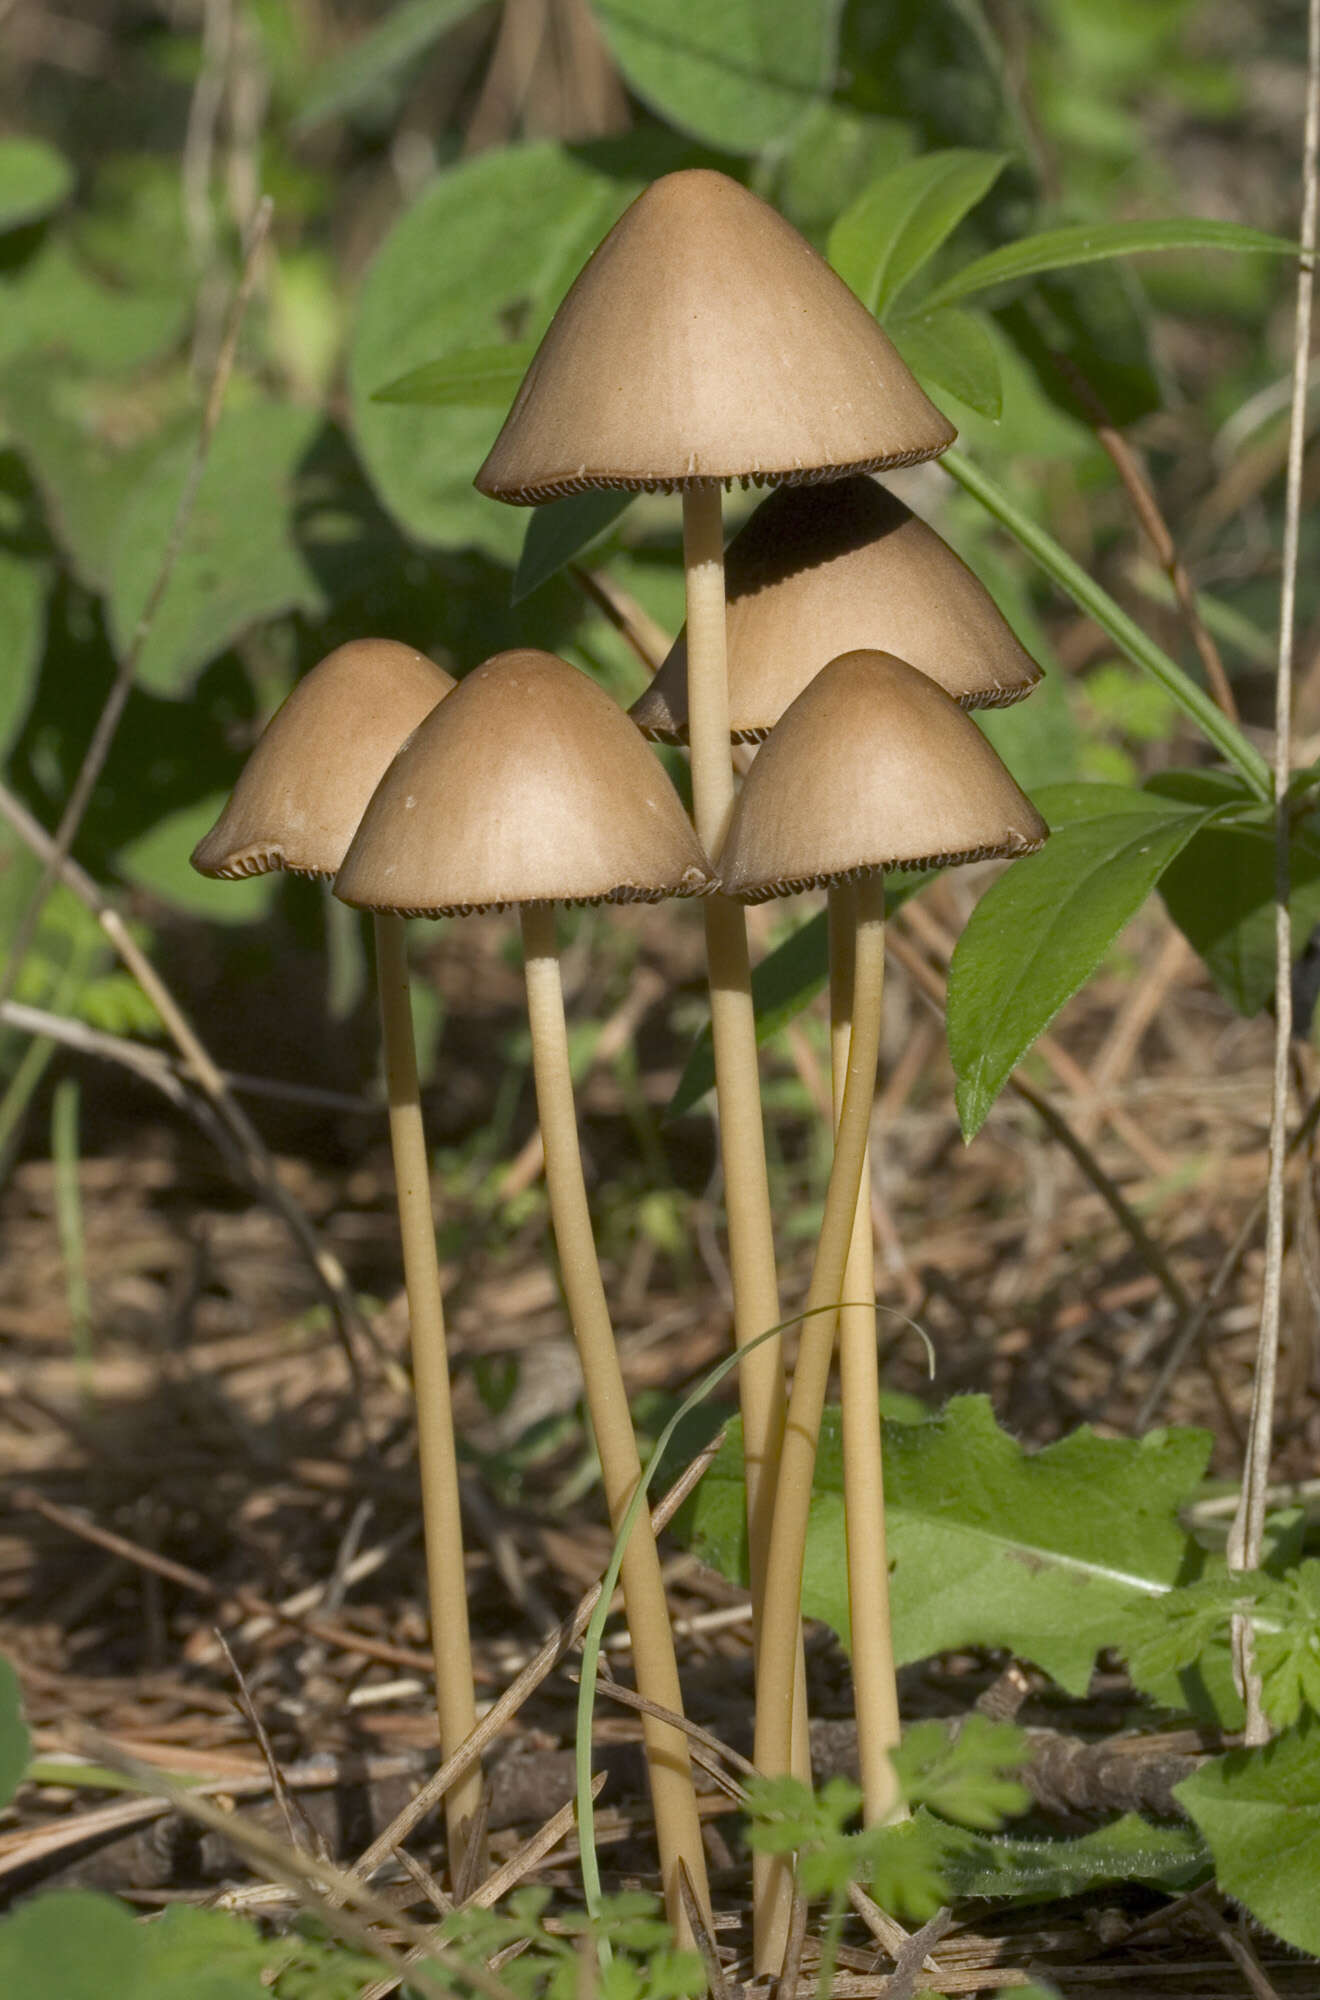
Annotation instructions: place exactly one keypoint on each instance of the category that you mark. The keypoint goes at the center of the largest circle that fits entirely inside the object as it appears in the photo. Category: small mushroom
(872, 767)
(528, 787)
(296, 806)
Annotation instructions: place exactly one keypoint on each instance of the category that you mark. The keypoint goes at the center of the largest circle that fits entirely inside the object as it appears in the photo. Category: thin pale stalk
(436, 1453)
(1246, 1541)
(788, 1539)
(762, 1394)
(875, 1689)
(678, 1828)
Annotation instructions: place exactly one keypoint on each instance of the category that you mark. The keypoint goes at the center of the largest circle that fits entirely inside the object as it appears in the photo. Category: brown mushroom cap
(707, 341)
(527, 785)
(306, 785)
(873, 766)
(821, 570)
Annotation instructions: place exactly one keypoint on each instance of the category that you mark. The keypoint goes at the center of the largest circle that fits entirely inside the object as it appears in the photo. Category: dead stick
(108, 721)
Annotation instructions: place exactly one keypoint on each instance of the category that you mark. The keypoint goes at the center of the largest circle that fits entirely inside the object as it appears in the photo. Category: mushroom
(706, 341)
(527, 788)
(296, 806)
(872, 767)
(819, 570)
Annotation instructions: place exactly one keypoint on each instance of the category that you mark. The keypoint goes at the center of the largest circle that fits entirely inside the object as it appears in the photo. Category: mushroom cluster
(846, 640)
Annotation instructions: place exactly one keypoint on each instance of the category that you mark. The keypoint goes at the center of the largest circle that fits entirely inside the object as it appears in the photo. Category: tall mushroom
(296, 806)
(706, 341)
(530, 788)
(872, 767)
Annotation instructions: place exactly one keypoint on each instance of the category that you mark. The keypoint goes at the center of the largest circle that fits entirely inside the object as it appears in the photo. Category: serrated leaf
(1220, 893)
(474, 378)
(560, 530)
(374, 60)
(1035, 1871)
(484, 239)
(34, 179)
(1045, 1554)
(737, 75)
(1091, 243)
(890, 231)
(1259, 1810)
(238, 562)
(23, 585)
(1040, 931)
(15, 1744)
(952, 350)
(158, 861)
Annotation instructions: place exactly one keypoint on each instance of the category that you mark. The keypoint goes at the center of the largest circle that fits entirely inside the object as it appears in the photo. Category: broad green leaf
(483, 240)
(54, 308)
(64, 427)
(76, 1944)
(238, 562)
(1091, 243)
(34, 179)
(22, 626)
(159, 862)
(836, 151)
(1042, 928)
(738, 74)
(950, 349)
(15, 1744)
(1047, 1554)
(884, 237)
(1220, 893)
(1005, 1867)
(475, 377)
(1260, 1812)
(560, 530)
(375, 59)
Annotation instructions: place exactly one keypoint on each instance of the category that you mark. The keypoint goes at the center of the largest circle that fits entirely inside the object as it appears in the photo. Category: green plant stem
(678, 1828)
(69, 1220)
(1231, 744)
(875, 1687)
(788, 1538)
(436, 1451)
(761, 1381)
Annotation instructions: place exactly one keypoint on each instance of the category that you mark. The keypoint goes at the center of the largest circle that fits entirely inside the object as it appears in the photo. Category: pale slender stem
(761, 1382)
(788, 1539)
(437, 1458)
(875, 1689)
(1246, 1539)
(678, 1829)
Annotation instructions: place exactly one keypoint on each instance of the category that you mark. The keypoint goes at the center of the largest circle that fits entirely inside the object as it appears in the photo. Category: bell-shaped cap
(873, 766)
(527, 785)
(822, 570)
(707, 341)
(303, 790)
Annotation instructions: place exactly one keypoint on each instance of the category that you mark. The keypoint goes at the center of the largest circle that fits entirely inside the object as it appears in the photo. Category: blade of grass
(1127, 635)
(69, 1226)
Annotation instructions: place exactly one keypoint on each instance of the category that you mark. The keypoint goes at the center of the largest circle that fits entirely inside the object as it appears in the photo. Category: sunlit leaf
(886, 235)
(476, 377)
(1260, 1812)
(1091, 243)
(158, 861)
(950, 349)
(34, 179)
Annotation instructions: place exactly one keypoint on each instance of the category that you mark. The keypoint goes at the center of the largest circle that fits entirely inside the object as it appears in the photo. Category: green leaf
(474, 377)
(23, 623)
(1049, 1554)
(238, 562)
(884, 237)
(495, 235)
(1260, 1812)
(737, 75)
(952, 350)
(15, 1743)
(54, 308)
(158, 861)
(560, 530)
(1091, 243)
(76, 1944)
(1044, 1871)
(34, 179)
(1220, 893)
(1042, 928)
(374, 60)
